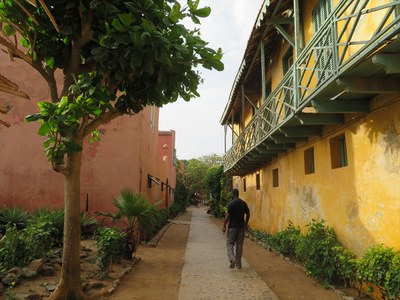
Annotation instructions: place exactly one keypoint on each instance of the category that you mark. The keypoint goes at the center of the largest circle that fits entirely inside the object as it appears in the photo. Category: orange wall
(124, 157)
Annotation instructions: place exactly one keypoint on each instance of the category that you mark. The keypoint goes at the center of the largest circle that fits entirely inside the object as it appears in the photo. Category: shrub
(38, 237)
(392, 278)
(88, 225)
(345, 262)
(55, 221)
(14, 216)
(375, 264)
(161, 219)
(265, 239)
(13, 249)
(110, 244)
(176, 208)
(315, 249)
(285, 241)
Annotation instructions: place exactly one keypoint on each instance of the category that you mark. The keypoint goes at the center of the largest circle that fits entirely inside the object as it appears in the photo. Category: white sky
(198, 131)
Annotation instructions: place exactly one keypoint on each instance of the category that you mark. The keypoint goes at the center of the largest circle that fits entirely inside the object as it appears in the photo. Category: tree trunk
(69, 287)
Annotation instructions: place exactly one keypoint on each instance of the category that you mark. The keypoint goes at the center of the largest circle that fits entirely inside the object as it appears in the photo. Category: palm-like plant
(135, 211)
(14, 216)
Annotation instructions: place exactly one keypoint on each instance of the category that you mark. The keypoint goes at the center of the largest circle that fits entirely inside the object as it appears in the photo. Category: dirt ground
(157, 276)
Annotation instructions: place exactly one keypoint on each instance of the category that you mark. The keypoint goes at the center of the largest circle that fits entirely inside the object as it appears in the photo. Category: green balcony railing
(352, 32)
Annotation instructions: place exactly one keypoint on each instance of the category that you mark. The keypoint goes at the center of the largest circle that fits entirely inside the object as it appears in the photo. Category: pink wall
(126, 154)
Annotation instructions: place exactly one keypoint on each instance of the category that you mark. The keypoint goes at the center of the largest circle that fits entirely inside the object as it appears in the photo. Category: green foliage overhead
(117, 57)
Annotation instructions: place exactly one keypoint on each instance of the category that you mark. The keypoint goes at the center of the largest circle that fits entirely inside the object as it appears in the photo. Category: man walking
(237, 208)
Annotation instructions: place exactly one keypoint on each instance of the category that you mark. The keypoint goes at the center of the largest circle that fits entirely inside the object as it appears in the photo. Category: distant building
(314, 115)
(132, 153)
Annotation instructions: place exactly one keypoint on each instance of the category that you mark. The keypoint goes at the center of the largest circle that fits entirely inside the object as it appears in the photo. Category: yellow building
(314, 114)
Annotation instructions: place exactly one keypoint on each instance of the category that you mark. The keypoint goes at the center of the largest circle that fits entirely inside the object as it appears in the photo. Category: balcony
(354, 56)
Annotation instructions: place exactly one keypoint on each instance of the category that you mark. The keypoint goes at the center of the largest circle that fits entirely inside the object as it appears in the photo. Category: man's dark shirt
(237, 208)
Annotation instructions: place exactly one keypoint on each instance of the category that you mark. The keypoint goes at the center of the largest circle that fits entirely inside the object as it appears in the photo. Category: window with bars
(258, 181)
(309, 166)
(275, 178)
(323, 53)
(338, 151)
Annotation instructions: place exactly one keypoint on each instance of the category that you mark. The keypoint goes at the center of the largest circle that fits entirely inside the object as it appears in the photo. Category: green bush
(88, 225)
(55, 221)
(345, 263)
(264, 238)
(110, 244)
(392, 278)
(315, 249)
(162, 216)
(13, 250)
(38, 237)
(375, 264)
(285, 241)
(176, 208)
(14, 216)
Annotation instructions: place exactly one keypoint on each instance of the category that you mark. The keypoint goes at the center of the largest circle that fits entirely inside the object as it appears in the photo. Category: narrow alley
(190, 262)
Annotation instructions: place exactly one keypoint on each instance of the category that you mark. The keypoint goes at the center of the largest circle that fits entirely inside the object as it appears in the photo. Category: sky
(197, 123)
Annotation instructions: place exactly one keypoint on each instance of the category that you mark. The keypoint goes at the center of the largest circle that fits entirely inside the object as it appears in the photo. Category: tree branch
(102, 119)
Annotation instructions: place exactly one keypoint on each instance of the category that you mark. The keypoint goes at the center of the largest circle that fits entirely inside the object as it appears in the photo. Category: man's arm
(247, 219)
(226, 221)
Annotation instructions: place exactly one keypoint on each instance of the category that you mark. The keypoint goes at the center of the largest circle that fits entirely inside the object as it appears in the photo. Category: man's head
(235, 193)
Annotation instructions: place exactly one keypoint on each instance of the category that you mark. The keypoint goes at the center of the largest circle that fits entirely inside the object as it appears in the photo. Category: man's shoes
(233, 263)
(238, 267)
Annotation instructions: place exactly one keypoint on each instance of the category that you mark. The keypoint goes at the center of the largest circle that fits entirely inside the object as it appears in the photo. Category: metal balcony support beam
(389, 62)
(275, 21)
(370, 85)
(286, 35)
(320, 119)
(302, 131)
(298, 32)
(281, 139)
(272, 146)
(263, 83)
(341, 106)
(243, 106)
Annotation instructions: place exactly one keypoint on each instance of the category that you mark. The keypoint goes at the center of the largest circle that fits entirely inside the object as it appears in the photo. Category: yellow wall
(361, 201)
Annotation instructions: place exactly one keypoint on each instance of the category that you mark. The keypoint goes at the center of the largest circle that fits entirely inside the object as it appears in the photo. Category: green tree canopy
(116, 57)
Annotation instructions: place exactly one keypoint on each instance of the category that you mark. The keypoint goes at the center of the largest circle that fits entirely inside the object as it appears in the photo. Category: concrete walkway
(206, 273)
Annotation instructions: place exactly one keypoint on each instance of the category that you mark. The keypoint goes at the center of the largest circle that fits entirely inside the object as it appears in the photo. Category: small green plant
(109, 243)
(375, 264)
(315, 249)
(161, 217)
(264, 238)
(88, 225)
(285, 241)
(10, 294)
(13, 249)
(14, 216)
(55, 223)
(345, 262)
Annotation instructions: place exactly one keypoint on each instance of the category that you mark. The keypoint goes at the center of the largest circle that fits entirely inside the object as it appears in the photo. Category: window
(275, 178)
(244, 184)
(323, 55)
(309, 167)
(338, 151)
(258, 185)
